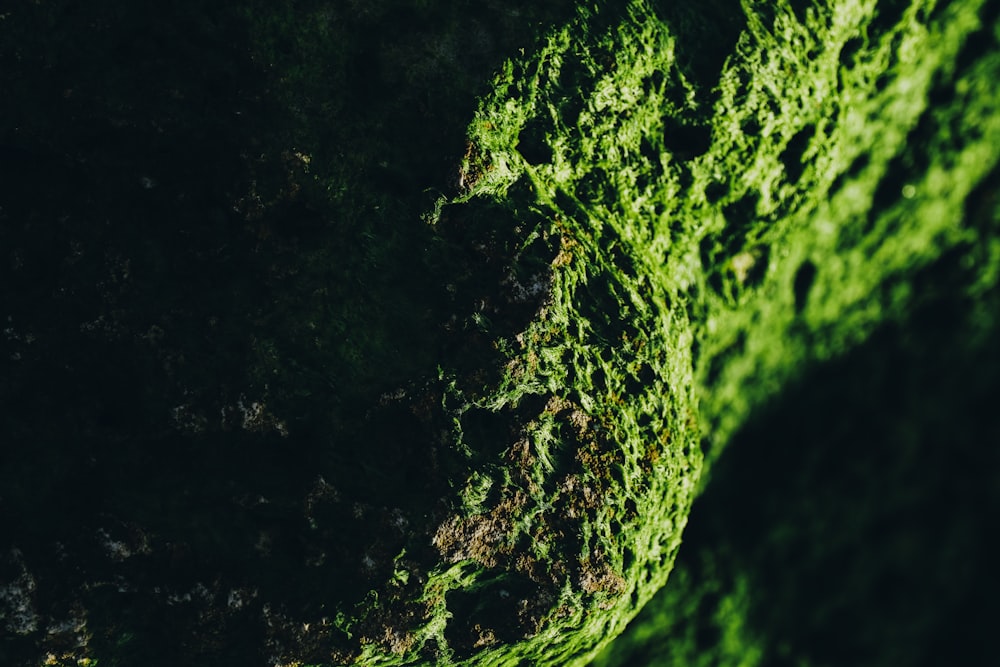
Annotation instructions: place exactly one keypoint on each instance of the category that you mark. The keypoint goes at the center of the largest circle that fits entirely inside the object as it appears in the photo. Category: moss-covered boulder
(306, 368)
(753, 223)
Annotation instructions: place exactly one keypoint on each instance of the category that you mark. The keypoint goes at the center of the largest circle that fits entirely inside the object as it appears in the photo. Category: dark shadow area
(695, 25)
(224, 316)
(861, 502)
(489, 615)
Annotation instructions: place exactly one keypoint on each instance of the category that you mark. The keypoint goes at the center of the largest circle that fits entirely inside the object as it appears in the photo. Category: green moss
(845, 523)
(772, 221)
(468, 428)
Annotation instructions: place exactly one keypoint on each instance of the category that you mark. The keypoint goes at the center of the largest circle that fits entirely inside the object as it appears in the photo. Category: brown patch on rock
(567, 244)
(521, 456)
(596, 576)
(581, 495)
(485, 538)
(389, 625)
(572, 414)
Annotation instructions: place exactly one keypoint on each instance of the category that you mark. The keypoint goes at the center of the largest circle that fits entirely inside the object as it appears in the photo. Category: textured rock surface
(273, 401)
(835, 178)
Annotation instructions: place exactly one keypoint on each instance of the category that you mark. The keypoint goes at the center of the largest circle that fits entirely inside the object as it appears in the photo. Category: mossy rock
(459, 428)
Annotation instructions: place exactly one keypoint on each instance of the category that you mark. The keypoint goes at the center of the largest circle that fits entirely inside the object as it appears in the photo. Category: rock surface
(304, 368)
